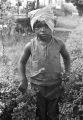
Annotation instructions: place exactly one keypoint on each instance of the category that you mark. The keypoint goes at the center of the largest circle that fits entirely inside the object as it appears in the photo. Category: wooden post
(38, 4)
(27, 9)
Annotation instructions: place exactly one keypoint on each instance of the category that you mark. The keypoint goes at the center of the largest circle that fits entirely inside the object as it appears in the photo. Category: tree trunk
(37, 4)
(50, 1)
(27, 9)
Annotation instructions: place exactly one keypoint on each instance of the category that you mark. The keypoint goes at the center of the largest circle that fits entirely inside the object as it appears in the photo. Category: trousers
(47, 109)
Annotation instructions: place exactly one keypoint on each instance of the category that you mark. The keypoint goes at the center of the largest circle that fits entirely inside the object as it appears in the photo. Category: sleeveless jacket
(45, 62)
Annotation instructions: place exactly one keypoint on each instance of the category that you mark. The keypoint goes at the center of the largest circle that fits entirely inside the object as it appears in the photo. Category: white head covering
(44, 14)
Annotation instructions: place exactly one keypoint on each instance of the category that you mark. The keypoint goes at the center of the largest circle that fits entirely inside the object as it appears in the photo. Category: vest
(45, 66)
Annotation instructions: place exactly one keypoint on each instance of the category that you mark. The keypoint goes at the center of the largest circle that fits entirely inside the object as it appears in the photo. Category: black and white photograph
(41, 59)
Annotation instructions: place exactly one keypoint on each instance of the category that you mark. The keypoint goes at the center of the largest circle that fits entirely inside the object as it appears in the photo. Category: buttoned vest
(45, 62)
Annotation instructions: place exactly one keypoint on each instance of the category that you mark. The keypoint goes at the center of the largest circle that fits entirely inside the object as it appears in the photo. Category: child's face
(43, 31)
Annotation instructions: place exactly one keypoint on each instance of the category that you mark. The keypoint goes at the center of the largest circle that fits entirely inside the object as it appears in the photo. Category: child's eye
(38, 26)
(41, 25)
(46, 26)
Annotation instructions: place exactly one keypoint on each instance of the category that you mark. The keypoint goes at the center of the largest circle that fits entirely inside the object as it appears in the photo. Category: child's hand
(66, 77)
(23, 87)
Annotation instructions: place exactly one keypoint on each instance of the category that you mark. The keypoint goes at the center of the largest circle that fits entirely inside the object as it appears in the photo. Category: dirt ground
(13, 46)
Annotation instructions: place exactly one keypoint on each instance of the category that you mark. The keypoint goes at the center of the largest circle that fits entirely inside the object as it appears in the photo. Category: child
(45, 51)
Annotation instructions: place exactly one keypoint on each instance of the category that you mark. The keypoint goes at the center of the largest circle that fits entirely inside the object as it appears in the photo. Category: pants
(47, 109)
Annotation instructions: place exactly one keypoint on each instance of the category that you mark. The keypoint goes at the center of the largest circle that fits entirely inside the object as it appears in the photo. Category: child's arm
(22, 67)
(66, 58)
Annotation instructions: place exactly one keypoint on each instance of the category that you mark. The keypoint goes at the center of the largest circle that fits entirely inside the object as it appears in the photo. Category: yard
(10, 51)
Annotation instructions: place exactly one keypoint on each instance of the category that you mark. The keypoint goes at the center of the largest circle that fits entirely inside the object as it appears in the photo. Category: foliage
(18, 3)
(18, 107)
(14, 105)
(23, 107)
(79, 5)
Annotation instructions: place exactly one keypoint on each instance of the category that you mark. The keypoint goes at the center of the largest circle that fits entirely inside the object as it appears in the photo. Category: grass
(14, 45)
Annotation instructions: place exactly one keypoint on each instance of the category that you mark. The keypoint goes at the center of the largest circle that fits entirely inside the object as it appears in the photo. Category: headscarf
(44, 14)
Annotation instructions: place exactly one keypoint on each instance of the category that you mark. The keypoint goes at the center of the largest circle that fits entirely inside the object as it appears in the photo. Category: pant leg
(53, 109)
(41, 112)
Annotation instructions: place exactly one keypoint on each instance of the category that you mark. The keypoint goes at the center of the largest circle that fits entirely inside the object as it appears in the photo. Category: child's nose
(43, 29)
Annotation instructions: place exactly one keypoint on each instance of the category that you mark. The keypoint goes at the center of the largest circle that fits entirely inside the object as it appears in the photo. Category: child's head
(42, 30)
(43, 15)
